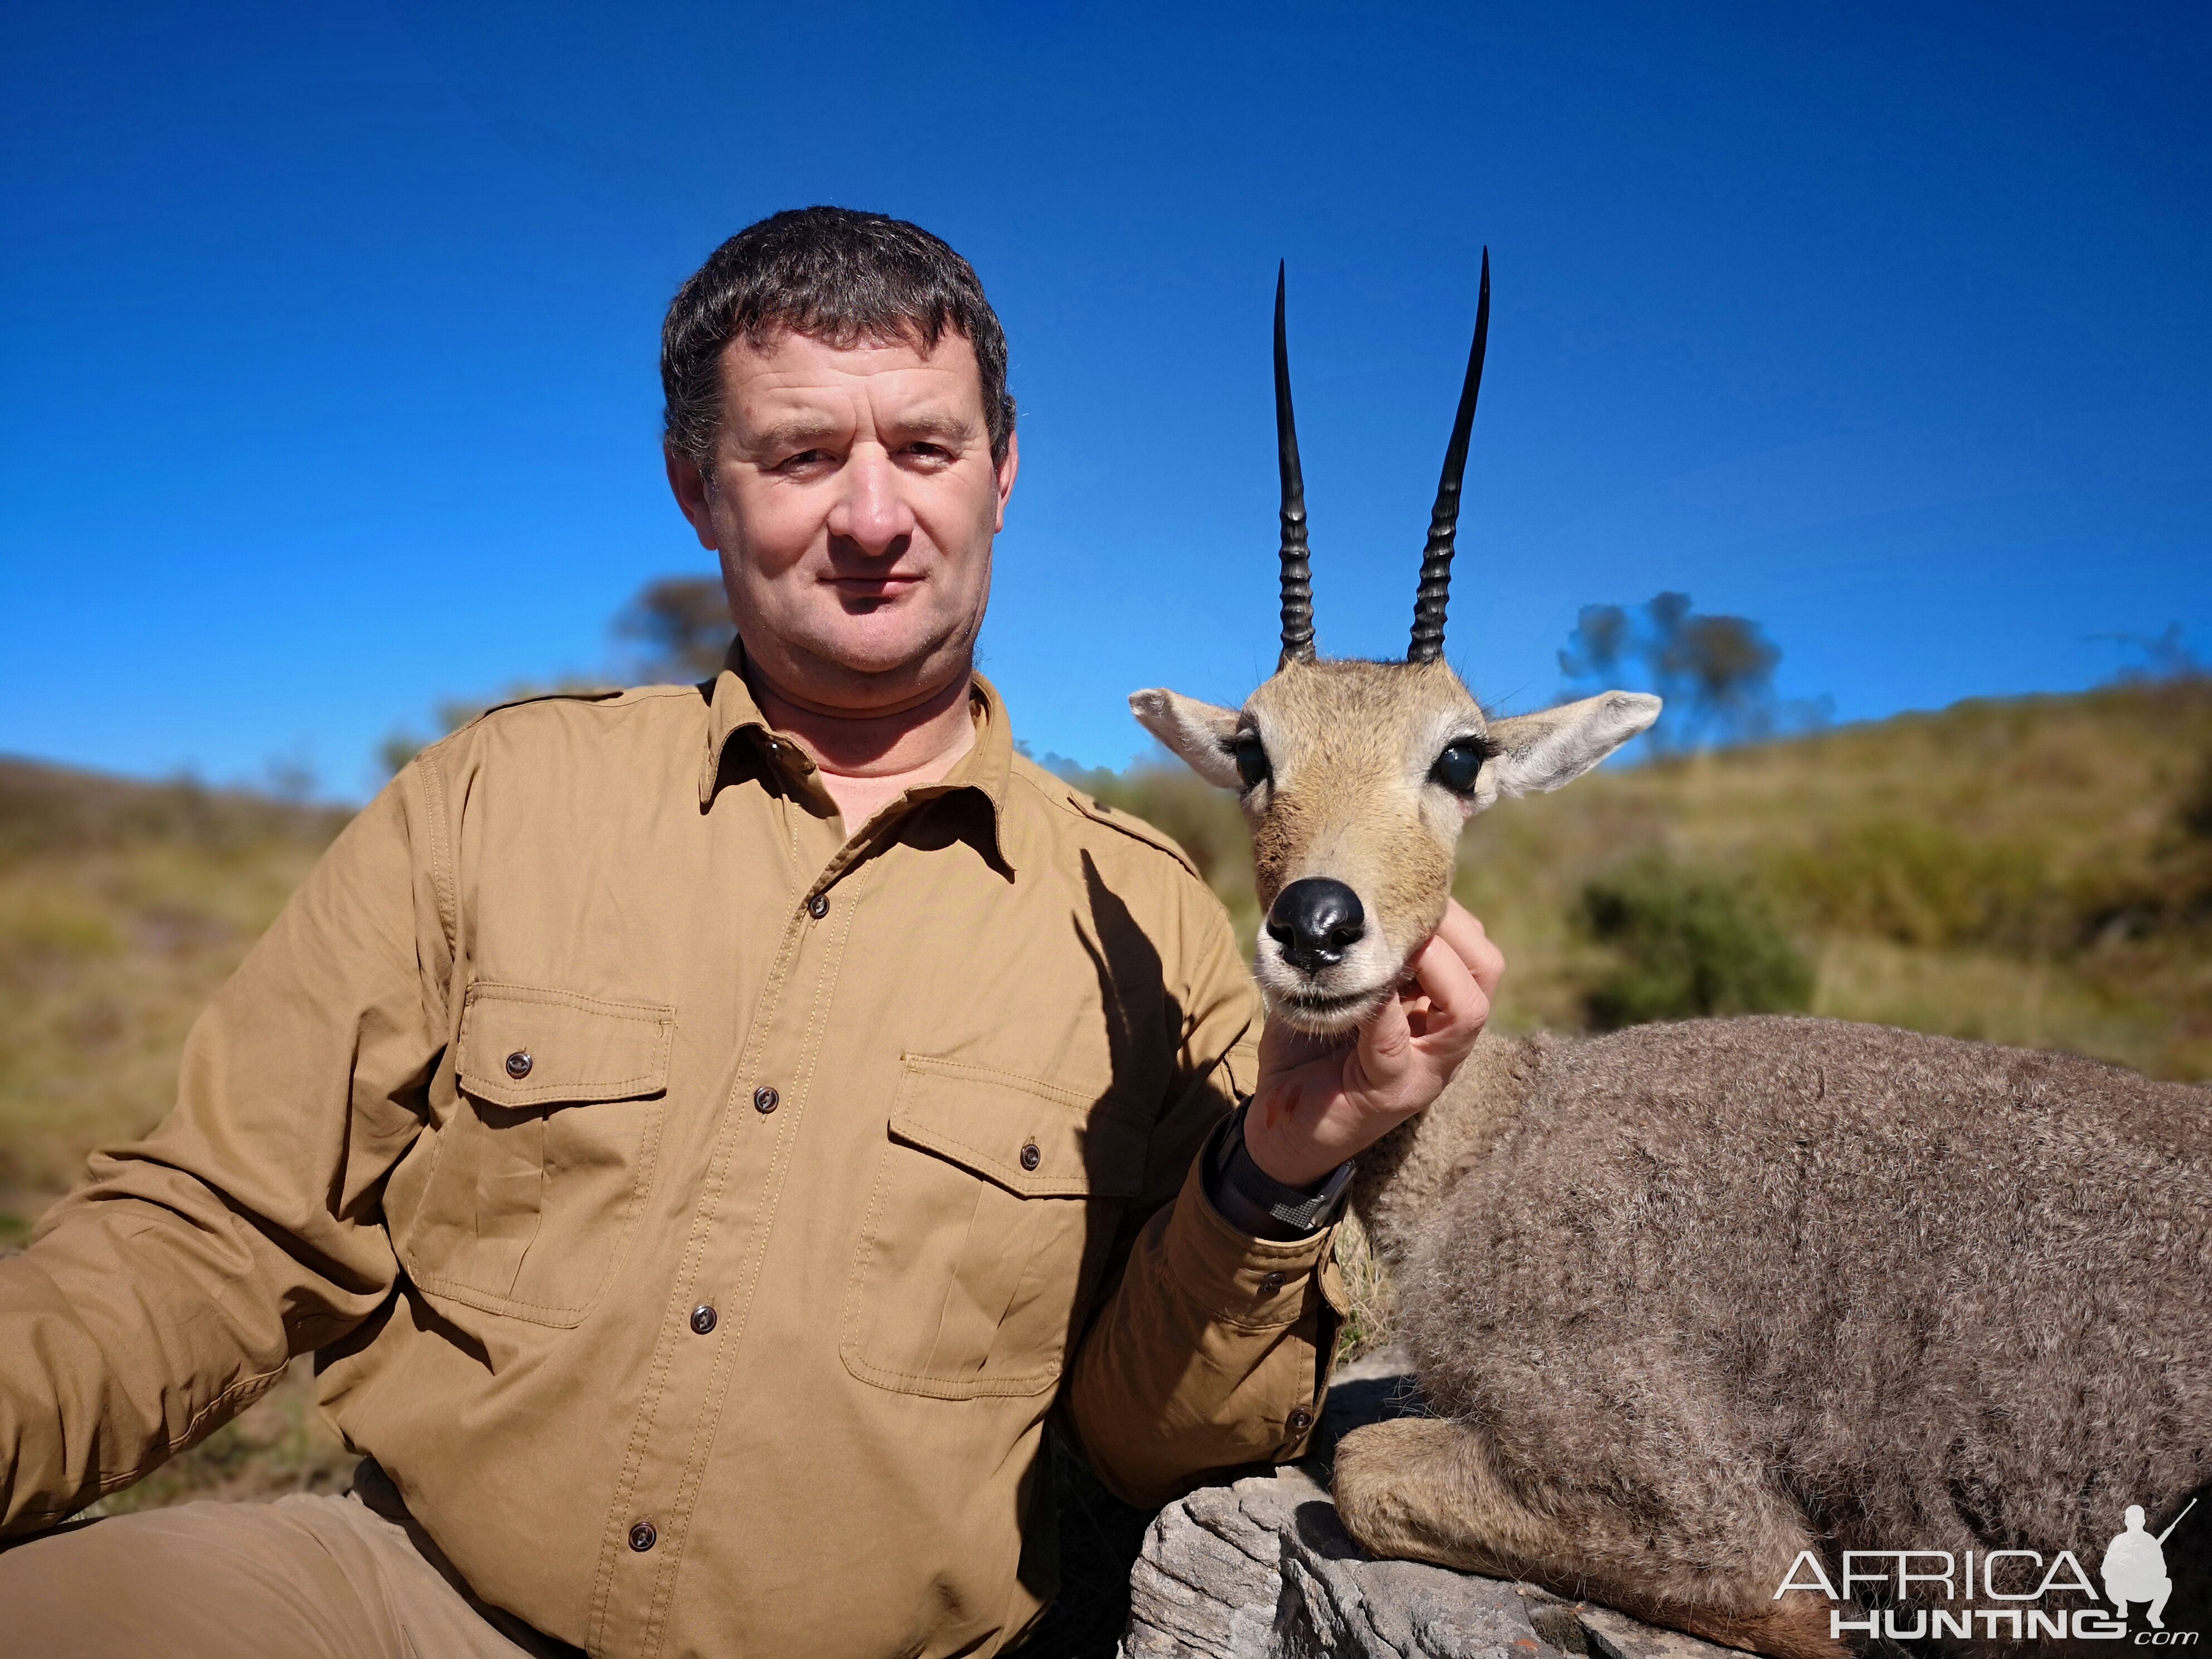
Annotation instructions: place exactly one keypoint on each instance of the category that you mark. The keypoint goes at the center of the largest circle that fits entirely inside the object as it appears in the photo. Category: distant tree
(1603, 641)
(402, 743)
(396, 747)
(679, 628)
(292, 778)
(2166, 655)
(1717, 673)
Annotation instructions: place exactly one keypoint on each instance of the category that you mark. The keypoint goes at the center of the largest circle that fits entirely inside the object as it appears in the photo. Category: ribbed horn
(1298, 568)
(1443, 521)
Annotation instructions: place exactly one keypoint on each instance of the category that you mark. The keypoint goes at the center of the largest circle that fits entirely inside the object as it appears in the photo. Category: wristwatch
(1253, 1201)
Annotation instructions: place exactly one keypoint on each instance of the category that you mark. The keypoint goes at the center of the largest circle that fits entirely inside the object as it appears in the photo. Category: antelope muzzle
(1316, 921)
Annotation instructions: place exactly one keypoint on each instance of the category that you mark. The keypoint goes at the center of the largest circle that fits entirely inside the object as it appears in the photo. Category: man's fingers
(1456, 999)
(1473, 946)
(1386, 1042)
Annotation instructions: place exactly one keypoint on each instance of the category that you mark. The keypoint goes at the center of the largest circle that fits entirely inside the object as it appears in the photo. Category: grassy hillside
(122, 907)
(2030, 870)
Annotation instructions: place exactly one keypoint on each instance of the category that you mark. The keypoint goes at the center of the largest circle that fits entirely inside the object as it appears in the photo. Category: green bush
(2193, 811)
(1686, 943)
(2170, 891)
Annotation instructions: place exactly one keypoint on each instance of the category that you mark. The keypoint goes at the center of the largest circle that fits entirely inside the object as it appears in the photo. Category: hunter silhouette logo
(2134, 1566)
(1909, 1594)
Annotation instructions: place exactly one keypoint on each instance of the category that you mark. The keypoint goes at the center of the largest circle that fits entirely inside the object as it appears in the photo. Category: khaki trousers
(304, 1577)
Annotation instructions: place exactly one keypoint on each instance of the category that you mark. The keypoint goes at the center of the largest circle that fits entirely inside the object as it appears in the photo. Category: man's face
(854, 501)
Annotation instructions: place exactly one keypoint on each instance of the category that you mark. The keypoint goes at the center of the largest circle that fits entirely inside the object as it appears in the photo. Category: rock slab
(1263, 1569)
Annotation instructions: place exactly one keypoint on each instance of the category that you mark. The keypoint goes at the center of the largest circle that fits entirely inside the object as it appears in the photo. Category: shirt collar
(985, 770)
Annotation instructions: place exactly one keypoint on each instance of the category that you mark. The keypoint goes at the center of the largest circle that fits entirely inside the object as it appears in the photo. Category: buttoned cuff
(1256, 1284)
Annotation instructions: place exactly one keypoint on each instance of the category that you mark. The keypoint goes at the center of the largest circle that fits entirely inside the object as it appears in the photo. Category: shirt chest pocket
(535, 1182)
(996, 1199)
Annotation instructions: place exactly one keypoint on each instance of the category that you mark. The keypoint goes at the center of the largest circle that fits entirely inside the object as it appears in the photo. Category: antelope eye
(1457, 767)
(1251, 758)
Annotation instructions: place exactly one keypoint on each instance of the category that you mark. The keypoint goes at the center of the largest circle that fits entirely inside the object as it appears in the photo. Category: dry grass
(1956, 872)
(1372, 1319)
(122, 909)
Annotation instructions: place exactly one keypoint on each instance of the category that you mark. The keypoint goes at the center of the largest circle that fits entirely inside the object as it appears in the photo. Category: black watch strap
(1251, 1198)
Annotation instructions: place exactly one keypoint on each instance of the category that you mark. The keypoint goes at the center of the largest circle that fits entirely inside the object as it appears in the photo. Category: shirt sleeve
(172, 1288)
(1210, 1348)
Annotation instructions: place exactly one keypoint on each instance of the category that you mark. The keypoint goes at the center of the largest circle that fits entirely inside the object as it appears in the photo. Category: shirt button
(518, 1064)
(1273, 1282)
(1298, 1422)
(819, 906)
(1031, 1157)
(642, 1537)
(764, 1099)
(702, 1319)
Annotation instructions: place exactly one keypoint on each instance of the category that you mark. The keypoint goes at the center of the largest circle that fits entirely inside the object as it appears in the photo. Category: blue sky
(327, 336)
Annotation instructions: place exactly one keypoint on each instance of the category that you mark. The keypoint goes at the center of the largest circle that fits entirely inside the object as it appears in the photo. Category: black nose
(1316, 921)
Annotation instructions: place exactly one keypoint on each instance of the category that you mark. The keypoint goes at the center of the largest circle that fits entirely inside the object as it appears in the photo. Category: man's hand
(1322, 1100)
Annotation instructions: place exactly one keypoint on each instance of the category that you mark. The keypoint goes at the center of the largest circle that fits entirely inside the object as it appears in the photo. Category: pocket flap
(988, 1121)
(521, 1046)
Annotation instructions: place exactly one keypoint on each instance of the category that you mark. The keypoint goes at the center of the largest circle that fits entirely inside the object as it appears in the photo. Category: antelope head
(1356, 777)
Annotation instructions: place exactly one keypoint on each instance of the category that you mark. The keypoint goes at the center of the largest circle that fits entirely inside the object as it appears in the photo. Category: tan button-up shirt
(697, 1211)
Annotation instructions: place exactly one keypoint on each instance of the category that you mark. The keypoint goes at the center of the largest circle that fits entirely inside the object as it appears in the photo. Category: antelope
(1698, 1308)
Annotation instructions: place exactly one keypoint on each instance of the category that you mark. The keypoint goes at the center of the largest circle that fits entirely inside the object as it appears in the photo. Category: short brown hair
(834, 274)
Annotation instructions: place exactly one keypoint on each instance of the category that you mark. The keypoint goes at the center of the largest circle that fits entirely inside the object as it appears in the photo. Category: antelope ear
(1199, 732)
(1555, 746)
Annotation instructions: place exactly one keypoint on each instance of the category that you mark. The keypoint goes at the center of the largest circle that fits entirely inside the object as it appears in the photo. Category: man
(2135, 1568)
(703, 1132)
